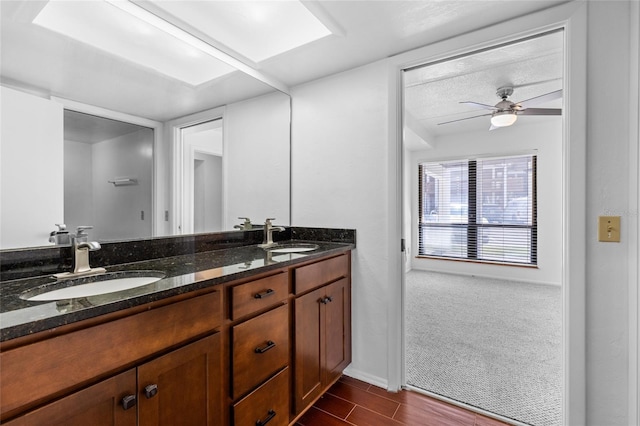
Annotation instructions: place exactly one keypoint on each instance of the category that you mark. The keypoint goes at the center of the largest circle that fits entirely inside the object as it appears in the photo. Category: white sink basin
(292, 248)
(96, 285)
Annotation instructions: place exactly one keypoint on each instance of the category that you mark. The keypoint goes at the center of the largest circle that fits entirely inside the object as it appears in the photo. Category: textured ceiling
(433, 92)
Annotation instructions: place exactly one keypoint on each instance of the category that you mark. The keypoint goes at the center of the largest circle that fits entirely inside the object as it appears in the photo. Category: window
(482, 209)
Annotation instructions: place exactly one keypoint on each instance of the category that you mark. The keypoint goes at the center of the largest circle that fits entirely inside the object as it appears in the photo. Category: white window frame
(474, 246)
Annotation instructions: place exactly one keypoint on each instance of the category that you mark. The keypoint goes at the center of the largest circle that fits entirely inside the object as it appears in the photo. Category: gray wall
(113, 211)
(207, 187)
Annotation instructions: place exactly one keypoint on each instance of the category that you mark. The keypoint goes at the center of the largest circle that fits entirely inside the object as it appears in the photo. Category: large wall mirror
(128, 129)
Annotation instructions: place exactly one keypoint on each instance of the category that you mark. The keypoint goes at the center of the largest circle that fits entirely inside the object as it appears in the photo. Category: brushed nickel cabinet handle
(270, 415)
(270, 345)
(267, 292)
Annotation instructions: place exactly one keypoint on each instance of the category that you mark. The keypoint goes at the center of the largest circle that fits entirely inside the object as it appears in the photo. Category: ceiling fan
(505, 112)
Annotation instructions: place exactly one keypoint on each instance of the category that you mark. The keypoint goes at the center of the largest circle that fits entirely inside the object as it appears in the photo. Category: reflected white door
(202, 178)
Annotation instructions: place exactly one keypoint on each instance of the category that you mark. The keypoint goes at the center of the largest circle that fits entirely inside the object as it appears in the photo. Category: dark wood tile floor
(352, 402)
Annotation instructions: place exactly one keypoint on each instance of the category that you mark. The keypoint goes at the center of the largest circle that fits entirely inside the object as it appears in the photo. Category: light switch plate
(609, 229)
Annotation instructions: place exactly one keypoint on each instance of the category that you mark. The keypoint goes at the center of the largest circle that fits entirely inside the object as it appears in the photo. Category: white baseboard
(365, 377)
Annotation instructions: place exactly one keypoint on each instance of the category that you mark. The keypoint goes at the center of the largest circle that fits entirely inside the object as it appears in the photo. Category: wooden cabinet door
(183, 387)
(336, 331)
(308, 349)
(97, 405)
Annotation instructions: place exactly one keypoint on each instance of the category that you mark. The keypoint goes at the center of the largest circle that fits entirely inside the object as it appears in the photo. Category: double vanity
(209, 329)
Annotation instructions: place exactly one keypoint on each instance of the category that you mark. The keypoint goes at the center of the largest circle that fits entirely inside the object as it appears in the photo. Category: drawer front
(33, 372)
(269, 404)
(97, 405)
(320, 273)
(260, 348)
(257, 295)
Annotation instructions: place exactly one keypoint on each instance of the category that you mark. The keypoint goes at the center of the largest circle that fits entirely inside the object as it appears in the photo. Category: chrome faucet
(268, 233)
(81, 256)
(245, 226)
(60, 236)
(81, 247)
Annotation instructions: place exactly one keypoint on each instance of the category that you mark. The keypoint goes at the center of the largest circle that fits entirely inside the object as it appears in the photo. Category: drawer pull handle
(128, 401)
(150, 391)
(326, 300)
(270, 415)
(270, 345)
(267, 292)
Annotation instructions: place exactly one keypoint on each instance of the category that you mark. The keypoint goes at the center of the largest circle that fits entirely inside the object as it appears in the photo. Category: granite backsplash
(32, 262)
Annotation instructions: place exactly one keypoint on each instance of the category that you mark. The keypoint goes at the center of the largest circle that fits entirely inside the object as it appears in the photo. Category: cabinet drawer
(320, 273)
(256, 295)
(33, 372)
(260, 348)
(269, 404)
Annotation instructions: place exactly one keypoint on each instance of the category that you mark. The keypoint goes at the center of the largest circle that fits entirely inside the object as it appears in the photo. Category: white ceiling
(85, 128)
(364, 31)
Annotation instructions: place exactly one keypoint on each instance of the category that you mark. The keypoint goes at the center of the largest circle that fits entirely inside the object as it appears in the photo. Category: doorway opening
(483, 155)
(108, 176)
(202, 177)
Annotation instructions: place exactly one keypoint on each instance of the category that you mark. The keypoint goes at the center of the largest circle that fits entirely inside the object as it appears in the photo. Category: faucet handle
(268, 220)
(61, 226)
(80, 230)
(81, 233)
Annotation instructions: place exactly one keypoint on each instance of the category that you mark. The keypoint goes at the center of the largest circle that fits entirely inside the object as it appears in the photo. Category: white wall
(256, 146)
(117, 208)
(607, 194)
(31, 169)
(339, 180)
(339, 153)
(544, 140)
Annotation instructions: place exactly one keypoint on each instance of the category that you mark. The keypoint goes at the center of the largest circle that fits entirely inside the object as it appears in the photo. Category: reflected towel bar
(124, 181)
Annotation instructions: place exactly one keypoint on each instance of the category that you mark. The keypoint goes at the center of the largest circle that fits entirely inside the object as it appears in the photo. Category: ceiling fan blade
(540, 111)
(462, 119)
(479, 105)
(540, 99)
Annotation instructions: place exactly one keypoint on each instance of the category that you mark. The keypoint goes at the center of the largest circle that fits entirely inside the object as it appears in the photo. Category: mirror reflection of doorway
(202, 147)
(483, 215)
(108, 177)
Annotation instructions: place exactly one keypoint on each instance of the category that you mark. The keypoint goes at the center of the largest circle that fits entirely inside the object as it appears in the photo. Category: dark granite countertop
(183, 273)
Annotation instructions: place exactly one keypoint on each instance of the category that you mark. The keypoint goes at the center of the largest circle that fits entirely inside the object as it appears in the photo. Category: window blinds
(479, 209)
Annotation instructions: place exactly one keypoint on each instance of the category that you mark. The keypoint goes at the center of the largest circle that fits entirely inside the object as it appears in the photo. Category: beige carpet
(489, 343)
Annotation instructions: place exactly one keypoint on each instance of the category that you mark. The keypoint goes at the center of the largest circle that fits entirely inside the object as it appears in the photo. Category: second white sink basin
(292, 248)
(97, 285)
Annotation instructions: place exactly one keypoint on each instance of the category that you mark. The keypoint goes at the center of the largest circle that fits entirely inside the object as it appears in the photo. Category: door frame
(158, 190)
(188, 156)
(634, 227)
(572, 18)
(174, 135)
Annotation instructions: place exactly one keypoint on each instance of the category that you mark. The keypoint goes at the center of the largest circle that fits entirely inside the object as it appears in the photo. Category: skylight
(258, 30)
(161, 47)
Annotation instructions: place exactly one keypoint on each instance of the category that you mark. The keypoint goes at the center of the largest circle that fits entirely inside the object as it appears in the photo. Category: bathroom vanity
(231, 336)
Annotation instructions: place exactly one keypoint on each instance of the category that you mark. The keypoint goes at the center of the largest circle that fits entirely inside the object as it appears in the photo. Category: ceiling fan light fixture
(503, 118)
